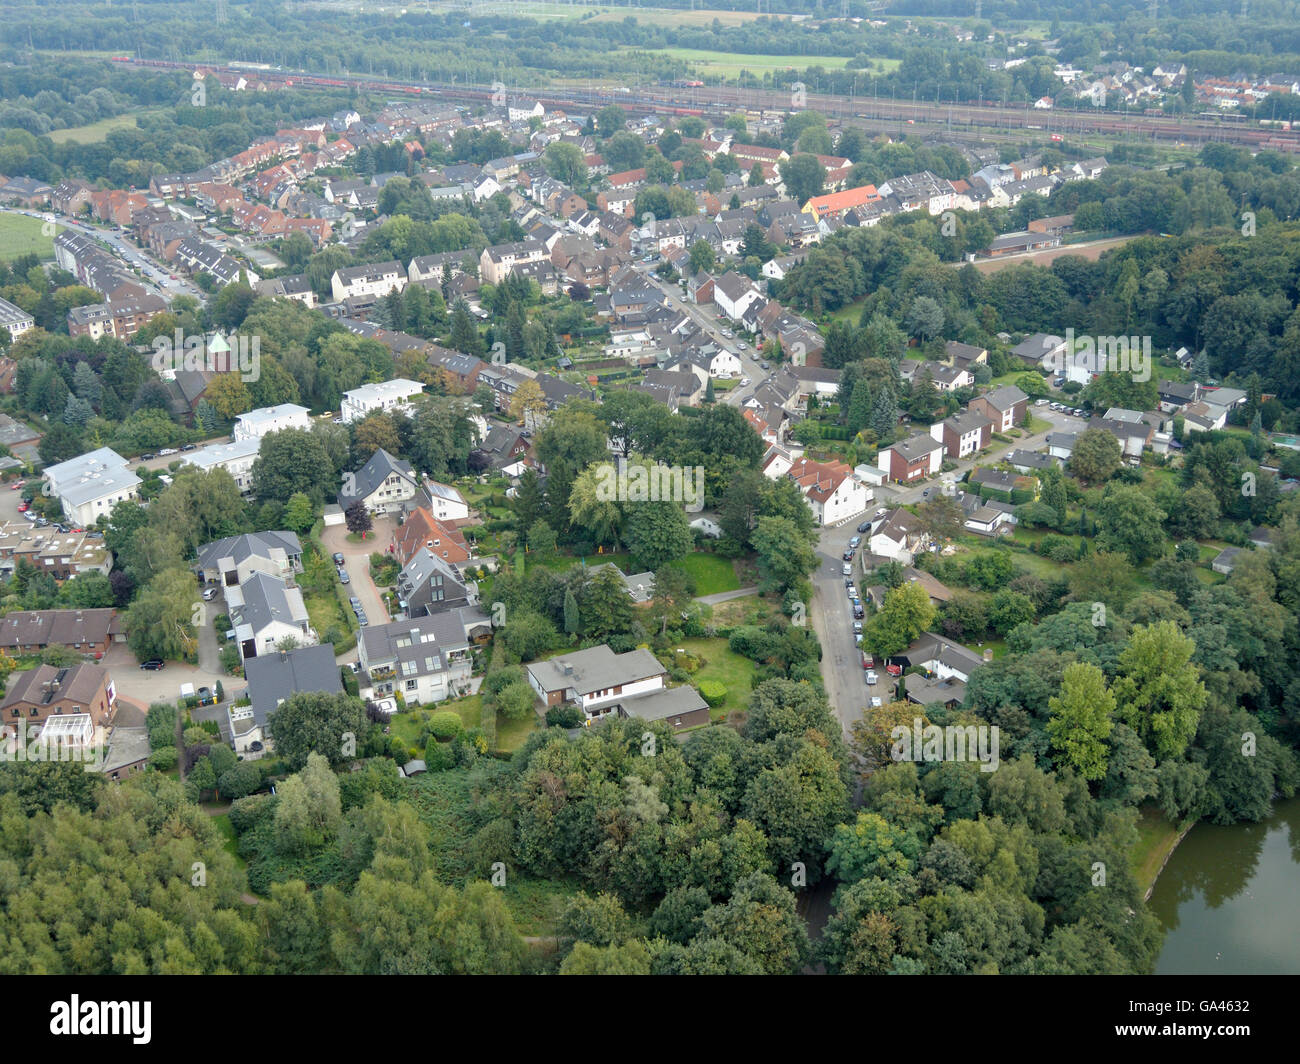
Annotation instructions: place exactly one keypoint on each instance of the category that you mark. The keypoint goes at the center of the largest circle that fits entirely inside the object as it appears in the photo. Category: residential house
(898, 536)
(90, 485)
(235, 458)
(429, 584)
(391, 396)
(257, 423)
(964, 433)
(830, 489)
(89, 631)
(375, 280)
(601, 682)
(273, 678)
(420, 530)
(14, 320)
(384, 484)
(427, 659)
(269, 613)
(445, 502)
(911, 459)
(1005, 407)
(38, 694)
(233, 561)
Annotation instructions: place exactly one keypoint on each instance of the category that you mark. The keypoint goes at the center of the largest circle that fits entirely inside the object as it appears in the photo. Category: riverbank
(1158, 838)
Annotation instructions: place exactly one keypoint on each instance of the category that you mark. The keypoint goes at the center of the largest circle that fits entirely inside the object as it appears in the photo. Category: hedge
(713, 692)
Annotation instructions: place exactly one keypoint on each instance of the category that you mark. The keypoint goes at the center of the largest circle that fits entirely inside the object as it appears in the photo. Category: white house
(596, 678)
(15, 320)
(426, 659)
(90, 485)
(375, 280)
(257, 423)
(392, 396)
(898, 536)
(734, 294)
(235, 458)
(830, 489)
(445, 502)
(270, 611)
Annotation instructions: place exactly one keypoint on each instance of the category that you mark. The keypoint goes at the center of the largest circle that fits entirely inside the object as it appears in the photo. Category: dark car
(147, 456)
(338, 558)
(865, 526)
(848, 554)
(206, 696)
(343, 576)
(153, 665)
(190, 447)
(857, 612)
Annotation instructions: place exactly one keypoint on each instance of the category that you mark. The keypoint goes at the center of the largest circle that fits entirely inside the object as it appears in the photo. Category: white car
(876, 703)
(1040, 402)
(847, 570)
(872, 678)
(744, 381)
(167, 450)
(741, 346)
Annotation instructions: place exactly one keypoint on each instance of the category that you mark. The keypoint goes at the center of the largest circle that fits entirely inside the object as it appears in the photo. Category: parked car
(42, 522)
(744, 381)
(875, 703)
(23, 507)
(858, 611)
(190, 447)
(16, 485)
(857, 627)
(741, 346)
(1040, 402)
(167, 451)
(147, 456)
(343, 576)
(354, 602)
(872, 678)
(847, 570)
(230, 633)
(31, 515)
(865, 526)
(851, 591)
(848, 554)
(153, 665)
(764, 366)
(894, 670)
(867, 660)
(855, 541)
(206, 697)
(209, 593)
(338, 558)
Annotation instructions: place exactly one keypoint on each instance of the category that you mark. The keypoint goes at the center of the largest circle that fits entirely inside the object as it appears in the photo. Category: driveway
(356, 560)
(143, 687)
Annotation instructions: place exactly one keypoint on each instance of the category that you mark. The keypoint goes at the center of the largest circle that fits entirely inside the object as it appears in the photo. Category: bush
(565, 716)
(230, 660)
(248, 813)
(438, 757)
(444, 725)
(164, 759)
(241, 781)
(398, 750)
(713, 692)
(161, 724)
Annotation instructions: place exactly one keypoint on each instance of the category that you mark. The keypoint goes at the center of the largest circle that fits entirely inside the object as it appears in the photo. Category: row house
(81, 631)
(498, 262)
(963, 434)
(375, 280)
(63, 555)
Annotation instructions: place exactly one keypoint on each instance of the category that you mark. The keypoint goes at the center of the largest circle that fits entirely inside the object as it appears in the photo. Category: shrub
(164, 759)
(564, 716)
(241, 781)
(444, 725)
(248, 813)
(398, 750)
(439, 756)
(713, 692)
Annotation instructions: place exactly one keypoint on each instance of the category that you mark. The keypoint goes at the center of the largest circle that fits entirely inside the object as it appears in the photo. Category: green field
(21, 235)
(95, 132)
(730, 65)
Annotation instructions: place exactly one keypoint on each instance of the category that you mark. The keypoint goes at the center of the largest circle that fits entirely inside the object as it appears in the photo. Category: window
(411, 685)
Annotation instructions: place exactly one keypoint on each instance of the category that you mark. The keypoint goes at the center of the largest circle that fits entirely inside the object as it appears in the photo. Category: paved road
(832, 620)
(155, 277)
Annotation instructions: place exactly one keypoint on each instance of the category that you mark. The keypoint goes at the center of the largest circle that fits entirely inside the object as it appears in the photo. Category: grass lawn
(1157, 837)
(229, 840)
(325, 612)
(711, 573)
(21, 235)
(562, 561)
(749, 609)
(95, 132)
(510, 733)
(726, 667)
(536, 904)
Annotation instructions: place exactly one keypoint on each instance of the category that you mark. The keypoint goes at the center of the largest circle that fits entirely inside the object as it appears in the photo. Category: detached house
(830, 489)
(427, 584)
(601, 682)
(270, 612)
(233, 561)
(427, 659)
(383, 484)
(898, 537)
(392, 396)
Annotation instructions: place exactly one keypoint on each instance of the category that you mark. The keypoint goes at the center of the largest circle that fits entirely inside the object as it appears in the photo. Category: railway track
(873, 113)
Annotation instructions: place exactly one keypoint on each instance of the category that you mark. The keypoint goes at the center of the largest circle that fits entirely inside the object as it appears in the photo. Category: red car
(16, 485)
(23, 507)
(894, 670)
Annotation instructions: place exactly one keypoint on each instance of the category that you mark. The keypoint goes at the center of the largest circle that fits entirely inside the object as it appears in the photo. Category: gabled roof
(1005, 398)
(240, 548)
(371, 475)
(268, 600)
(595, 669)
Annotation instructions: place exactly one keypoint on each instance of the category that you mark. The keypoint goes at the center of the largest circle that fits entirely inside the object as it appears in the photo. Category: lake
(1227, 899)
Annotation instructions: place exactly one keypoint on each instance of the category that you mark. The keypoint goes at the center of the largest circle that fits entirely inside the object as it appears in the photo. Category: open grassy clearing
(21, 235)
(96, 131)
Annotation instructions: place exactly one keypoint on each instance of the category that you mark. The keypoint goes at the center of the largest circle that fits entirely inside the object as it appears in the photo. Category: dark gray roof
(274, 677)
(239, 548)
(595, 669)
(372, 474)
(268, 599)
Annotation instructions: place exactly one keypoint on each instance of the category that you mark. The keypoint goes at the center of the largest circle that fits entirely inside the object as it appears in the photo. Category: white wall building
(391, 396)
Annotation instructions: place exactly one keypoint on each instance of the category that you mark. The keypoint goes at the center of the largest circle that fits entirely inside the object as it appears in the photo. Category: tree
(804, 177)
(1082, 720)
(907, 613)
(290, 462)
(228, 396)
(357, 517)
(756, 177)
(1130, 522)
(925, 318)
(572, 620)
(566, 163)
(786, 553)
(607, 608)
(1158, 691)
(161, 620)
(528, 404)
(375, 431)
(658, 533)
(702, 257)
(299, 513)
(333, 726)
(1096, 456)
(941, 517)
(760, 920)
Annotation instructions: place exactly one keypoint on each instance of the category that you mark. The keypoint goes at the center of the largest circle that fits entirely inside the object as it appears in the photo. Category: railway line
(871, 112)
